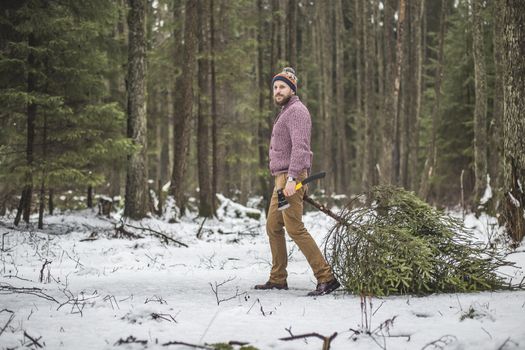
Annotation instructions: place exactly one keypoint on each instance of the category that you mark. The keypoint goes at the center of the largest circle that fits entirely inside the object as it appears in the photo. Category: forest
(152, 103)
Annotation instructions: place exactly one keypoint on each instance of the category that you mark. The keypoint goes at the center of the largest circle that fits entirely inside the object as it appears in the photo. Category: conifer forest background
(156, 99)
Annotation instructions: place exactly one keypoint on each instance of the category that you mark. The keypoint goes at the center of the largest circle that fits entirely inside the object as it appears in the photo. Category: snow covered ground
(106, 293)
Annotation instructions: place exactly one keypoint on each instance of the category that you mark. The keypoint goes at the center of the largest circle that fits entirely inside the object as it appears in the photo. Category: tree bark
(495, 149)
(137, 199)
(417, 11)
(390, 79)
(183, 120)
(262, 125)
(480, 107)
(397, 102)
(514, 118)
(214, 118)
(369, 107)
(292, 33)
(203, 115)
(343, 174)
(42, 197)
(27, 193)
(430, 162)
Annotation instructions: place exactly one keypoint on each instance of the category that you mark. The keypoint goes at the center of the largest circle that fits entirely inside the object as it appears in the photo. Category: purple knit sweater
(290, 143)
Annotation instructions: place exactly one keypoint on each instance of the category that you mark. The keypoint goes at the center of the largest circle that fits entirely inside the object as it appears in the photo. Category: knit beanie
(288, 76)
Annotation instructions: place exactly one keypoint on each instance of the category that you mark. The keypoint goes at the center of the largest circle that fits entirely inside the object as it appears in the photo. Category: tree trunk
(292, 33)
(369, 108)
(397, 102)
(430, 163)
(343, 174)
(90, 196)
(27, 193)
(514, 119)
(214, 121)
(417, 11)
(495, 158)
(50, 203)
(42, 199)
(262, 127)
(390, 78)
(480, 107)
(359, 118)
(205, 205)
(137, 198)
(183, 120)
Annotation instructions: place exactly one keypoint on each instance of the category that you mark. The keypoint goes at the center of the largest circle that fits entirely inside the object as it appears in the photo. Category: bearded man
(290, 162)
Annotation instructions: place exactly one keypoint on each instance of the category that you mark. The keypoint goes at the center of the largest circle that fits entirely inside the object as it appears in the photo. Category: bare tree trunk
(27, 193)
(203, 137)
(495, 127)
(183, 120)
(50, 203)
(513, 119)
(397, 103)
(417, 9)
(340, 115)
(42, 199)
(137, 198)
(430, 163)
(214, 127)
(390, 79)
(359, 122)
(369, 110)
(480, 108)
(262, 127)
(90, 196)
(292, 33)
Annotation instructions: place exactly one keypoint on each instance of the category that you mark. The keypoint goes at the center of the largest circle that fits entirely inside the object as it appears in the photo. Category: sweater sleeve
(299, 126)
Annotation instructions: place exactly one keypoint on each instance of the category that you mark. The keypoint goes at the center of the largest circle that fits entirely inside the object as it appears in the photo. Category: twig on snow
(216, 291)
(195, 346)
(8, 321)
(130, 340)
(6, 288)
(34, 341)
(158, 234)
(47, 262)
(326, 340)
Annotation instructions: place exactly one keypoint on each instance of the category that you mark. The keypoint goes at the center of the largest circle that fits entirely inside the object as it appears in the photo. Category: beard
(284, 100)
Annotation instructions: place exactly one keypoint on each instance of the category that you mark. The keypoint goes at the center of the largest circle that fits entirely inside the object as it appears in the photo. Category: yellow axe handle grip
(298, 186)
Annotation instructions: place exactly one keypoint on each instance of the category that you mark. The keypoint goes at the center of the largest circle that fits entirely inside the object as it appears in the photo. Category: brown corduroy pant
(291, 219)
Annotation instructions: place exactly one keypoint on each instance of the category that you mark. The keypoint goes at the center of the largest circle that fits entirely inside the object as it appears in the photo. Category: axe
(283, 203)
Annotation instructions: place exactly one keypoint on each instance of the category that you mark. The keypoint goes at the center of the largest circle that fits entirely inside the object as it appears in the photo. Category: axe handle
(310, 179)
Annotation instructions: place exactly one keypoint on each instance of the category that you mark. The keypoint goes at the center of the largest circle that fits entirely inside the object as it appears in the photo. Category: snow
(487, 195)
(107, 290)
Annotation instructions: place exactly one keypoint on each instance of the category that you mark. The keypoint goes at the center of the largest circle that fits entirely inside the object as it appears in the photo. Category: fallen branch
(158, 234)
(166, 317)
(195, 346)
(216, 291)
(6, 288)
(35, 341)
(47, 262)
(326, 340)
(8, 321)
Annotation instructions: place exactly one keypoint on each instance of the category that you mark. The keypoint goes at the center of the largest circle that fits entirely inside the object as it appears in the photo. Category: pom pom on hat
(288, 76)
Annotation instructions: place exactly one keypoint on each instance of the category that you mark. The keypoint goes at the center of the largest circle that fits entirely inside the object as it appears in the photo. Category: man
(290, 162)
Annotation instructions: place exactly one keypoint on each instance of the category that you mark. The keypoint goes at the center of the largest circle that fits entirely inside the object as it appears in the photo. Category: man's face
(281, 93)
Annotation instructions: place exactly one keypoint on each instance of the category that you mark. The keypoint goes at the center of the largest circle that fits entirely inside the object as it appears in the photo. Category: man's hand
(289, 189)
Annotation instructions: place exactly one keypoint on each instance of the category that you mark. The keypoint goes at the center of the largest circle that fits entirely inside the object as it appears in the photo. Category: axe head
(281, 199)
